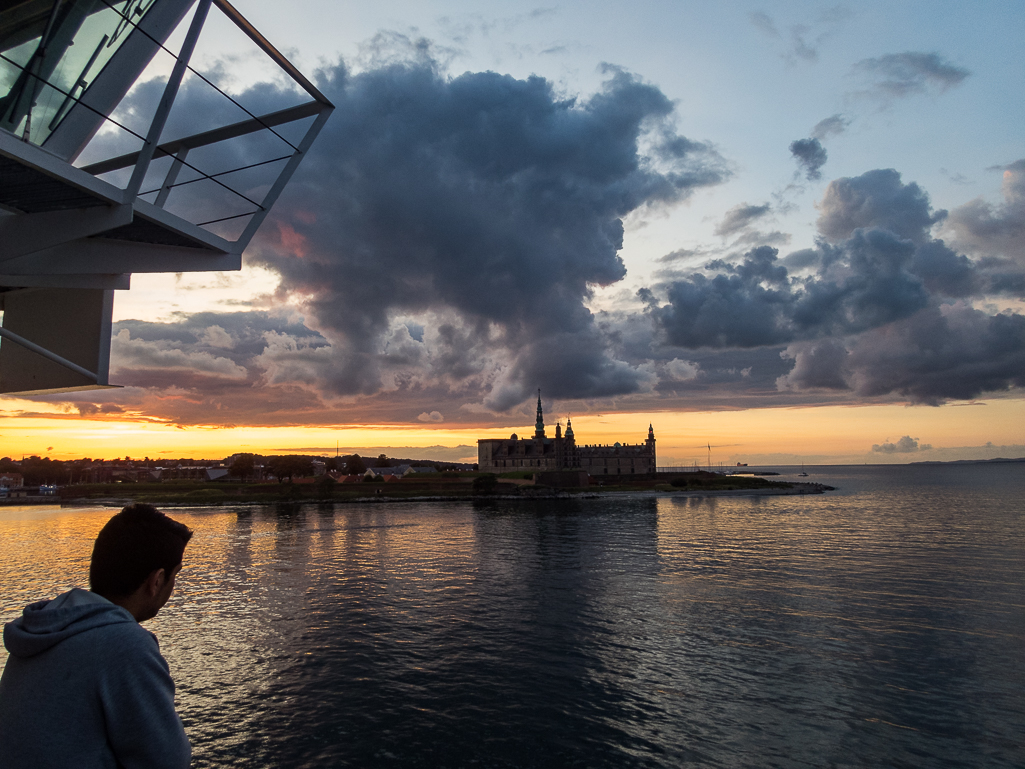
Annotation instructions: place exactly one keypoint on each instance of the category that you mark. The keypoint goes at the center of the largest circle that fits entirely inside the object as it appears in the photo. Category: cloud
(682, 370)
(739, 217)
(834, 125)
(492, 198)
(950, 351)
(906, 445)
(127, 353)
(887, 310)
(764, 22)
(439, 251)
(758, 238)
(803, 39)
(864, 283)
(876, 199)
(899, 75)
(819, 365)
(996, 231)
(937, 354)
(810, 156)
(215, 336)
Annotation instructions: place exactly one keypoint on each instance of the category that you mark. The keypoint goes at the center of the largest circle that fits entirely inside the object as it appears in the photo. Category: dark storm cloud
(483, 194)
(951, 351)
(572, 366)
(810, 156)
(897, 75)
(876, 199)
(862, 284)
(438, 248)
(883, 313)
(739, 217)
(940, 353)
(817, 365)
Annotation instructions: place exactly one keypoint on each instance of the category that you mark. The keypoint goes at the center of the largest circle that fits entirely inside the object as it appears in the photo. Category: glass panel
(39, 83)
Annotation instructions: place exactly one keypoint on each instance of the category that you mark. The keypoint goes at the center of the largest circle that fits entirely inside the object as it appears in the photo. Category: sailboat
(802, 474)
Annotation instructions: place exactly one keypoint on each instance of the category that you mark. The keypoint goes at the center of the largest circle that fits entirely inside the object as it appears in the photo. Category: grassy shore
(447, 486)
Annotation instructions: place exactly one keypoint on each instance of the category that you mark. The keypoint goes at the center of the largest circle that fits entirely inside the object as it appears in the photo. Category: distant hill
(1000, 460)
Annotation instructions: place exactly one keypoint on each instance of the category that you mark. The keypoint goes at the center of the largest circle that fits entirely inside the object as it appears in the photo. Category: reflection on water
(880, 625)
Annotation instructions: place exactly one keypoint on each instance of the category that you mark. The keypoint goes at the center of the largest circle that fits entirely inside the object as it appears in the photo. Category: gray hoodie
(86, 686)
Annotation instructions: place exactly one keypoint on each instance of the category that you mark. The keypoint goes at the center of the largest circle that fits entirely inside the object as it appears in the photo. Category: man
(85, 685)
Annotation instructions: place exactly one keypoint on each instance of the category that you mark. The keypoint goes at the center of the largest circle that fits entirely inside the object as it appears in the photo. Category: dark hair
(132, 545)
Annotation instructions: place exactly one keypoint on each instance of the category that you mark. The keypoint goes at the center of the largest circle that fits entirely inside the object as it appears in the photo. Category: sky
(778, 232)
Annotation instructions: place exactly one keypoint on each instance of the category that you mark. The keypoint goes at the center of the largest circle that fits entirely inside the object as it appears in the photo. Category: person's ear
(155, 582)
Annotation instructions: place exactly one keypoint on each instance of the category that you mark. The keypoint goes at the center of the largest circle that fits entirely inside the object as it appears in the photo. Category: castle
(541, 453)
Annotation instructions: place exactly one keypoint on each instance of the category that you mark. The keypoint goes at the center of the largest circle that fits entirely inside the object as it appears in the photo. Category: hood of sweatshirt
(45, 624)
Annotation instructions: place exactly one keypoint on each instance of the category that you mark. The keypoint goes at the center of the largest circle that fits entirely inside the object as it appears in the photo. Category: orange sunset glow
(827, 434)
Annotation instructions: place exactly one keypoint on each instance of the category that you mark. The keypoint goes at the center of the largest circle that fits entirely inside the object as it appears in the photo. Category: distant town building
(399, 471)
(11, 480)
(541, 453)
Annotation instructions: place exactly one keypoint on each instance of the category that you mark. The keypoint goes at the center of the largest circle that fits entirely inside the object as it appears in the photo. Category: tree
(485, 484)
(289, 466)
(35, 471)
(382, 461)
(354, 465)
(243, 466)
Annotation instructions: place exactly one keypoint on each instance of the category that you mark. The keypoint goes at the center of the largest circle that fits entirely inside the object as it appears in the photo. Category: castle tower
(650, 443)
(539, 426)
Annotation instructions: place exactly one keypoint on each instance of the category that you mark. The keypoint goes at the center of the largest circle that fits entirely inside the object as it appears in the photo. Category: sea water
(882, 624)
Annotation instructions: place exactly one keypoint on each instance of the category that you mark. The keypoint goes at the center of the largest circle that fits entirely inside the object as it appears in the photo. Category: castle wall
(507, 455)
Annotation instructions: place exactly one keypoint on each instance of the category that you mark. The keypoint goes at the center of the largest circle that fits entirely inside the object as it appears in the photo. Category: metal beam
(120, 73)
(250, 31)
(212, 136)
(113, 282)
(38, 350)
(27, 233)
(283, 179)
(38, 159)
(172, 176)
(174, 82)
(105, 256)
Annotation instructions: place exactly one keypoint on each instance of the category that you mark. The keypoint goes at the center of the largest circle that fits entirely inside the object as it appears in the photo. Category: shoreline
(798, 489)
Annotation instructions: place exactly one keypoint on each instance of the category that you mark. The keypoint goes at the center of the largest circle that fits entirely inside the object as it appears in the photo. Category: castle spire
(651, 432)
(539, 426)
